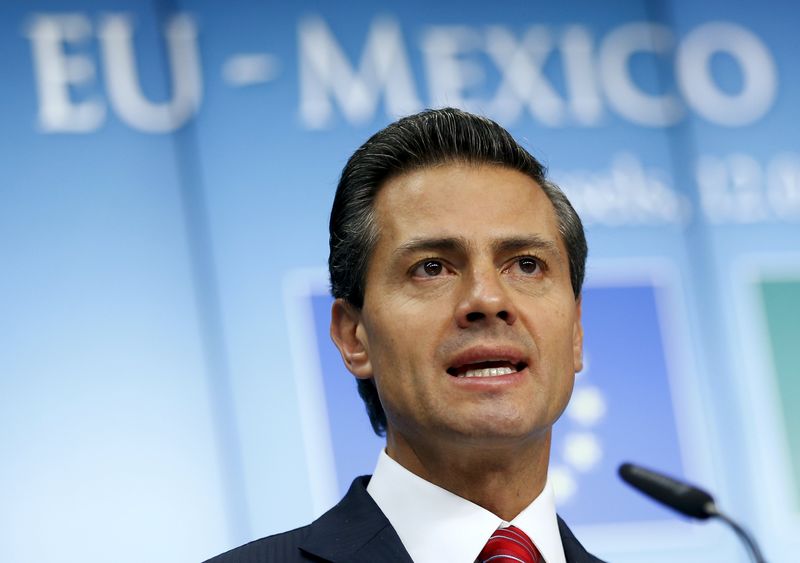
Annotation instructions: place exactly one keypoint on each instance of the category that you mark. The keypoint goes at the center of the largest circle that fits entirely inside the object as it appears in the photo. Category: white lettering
(582, 80)
(783, 185)
(760, 82)
(624, 96)
(325, 72)
(449, 74)
(522, 80)
(124, 90)
(625, 194)
(56, 72)
(738, 189)
(455, 61)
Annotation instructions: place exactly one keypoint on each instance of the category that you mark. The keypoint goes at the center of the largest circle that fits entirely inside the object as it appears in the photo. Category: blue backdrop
(167, 386)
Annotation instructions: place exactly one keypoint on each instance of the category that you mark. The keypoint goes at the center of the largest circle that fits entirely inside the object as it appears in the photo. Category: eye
(529, 265)
(428, 269)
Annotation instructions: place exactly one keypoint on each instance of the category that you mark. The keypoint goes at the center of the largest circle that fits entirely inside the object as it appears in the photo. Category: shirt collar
(432, 521)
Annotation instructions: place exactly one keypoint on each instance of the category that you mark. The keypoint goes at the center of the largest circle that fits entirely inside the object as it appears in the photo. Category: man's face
(470, 327)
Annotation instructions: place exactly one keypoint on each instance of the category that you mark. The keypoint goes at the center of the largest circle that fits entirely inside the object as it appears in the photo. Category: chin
(496, 431)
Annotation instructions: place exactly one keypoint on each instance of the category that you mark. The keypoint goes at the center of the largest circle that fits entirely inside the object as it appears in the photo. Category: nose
(484, 299)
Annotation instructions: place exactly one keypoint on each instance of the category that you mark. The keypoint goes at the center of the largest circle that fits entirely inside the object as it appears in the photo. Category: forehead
(463, 200)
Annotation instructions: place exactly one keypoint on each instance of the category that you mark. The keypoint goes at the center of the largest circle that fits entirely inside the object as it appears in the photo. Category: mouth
(489, 368)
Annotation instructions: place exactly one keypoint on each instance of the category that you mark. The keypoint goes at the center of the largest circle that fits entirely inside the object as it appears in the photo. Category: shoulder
(283, 547)
(346, 528)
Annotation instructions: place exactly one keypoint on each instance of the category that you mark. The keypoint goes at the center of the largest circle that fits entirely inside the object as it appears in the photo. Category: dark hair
(425, 139)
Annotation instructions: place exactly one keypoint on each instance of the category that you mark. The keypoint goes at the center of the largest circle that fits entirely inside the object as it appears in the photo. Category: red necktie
(510, 545)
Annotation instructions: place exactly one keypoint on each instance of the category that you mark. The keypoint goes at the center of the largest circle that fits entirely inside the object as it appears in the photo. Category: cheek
(399, 356)
(560, 349)
(389, 351)
(565, 395)
(401, 329)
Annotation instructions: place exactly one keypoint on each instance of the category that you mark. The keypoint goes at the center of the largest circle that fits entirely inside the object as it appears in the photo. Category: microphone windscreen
(684, 498)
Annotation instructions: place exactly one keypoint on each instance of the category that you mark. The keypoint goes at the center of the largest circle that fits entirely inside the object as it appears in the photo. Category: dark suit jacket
(353, 531)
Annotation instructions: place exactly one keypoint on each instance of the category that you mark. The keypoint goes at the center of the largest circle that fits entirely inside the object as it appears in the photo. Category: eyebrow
(461, 245)
(516, 244)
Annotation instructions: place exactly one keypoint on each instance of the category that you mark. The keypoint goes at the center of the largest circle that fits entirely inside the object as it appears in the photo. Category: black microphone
(684, 498)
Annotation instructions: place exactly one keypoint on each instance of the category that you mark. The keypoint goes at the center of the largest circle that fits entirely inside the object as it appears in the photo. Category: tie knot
(510, 545)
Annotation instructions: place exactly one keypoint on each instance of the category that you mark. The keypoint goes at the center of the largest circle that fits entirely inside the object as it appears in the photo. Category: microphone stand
(748, 540)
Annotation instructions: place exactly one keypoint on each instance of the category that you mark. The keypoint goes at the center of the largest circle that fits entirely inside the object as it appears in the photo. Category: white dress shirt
(437, 526)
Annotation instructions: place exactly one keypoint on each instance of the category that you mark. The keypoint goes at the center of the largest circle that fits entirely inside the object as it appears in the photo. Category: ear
(577, 338)
(349, 336)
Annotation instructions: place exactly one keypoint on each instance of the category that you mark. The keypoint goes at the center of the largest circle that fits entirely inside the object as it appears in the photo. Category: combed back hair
(428, 138)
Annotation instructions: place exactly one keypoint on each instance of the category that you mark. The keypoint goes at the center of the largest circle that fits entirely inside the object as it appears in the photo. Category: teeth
(488, 372)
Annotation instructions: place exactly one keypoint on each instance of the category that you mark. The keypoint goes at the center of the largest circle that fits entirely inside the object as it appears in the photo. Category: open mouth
(487, 369)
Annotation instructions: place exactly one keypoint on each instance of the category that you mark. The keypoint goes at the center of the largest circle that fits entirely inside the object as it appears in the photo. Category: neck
(503, 479)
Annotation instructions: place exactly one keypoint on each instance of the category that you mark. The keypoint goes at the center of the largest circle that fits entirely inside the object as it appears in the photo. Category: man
(457, 270)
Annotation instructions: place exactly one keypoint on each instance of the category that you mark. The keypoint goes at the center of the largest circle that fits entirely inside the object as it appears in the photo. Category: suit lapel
(573, 550)
(355, 531)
